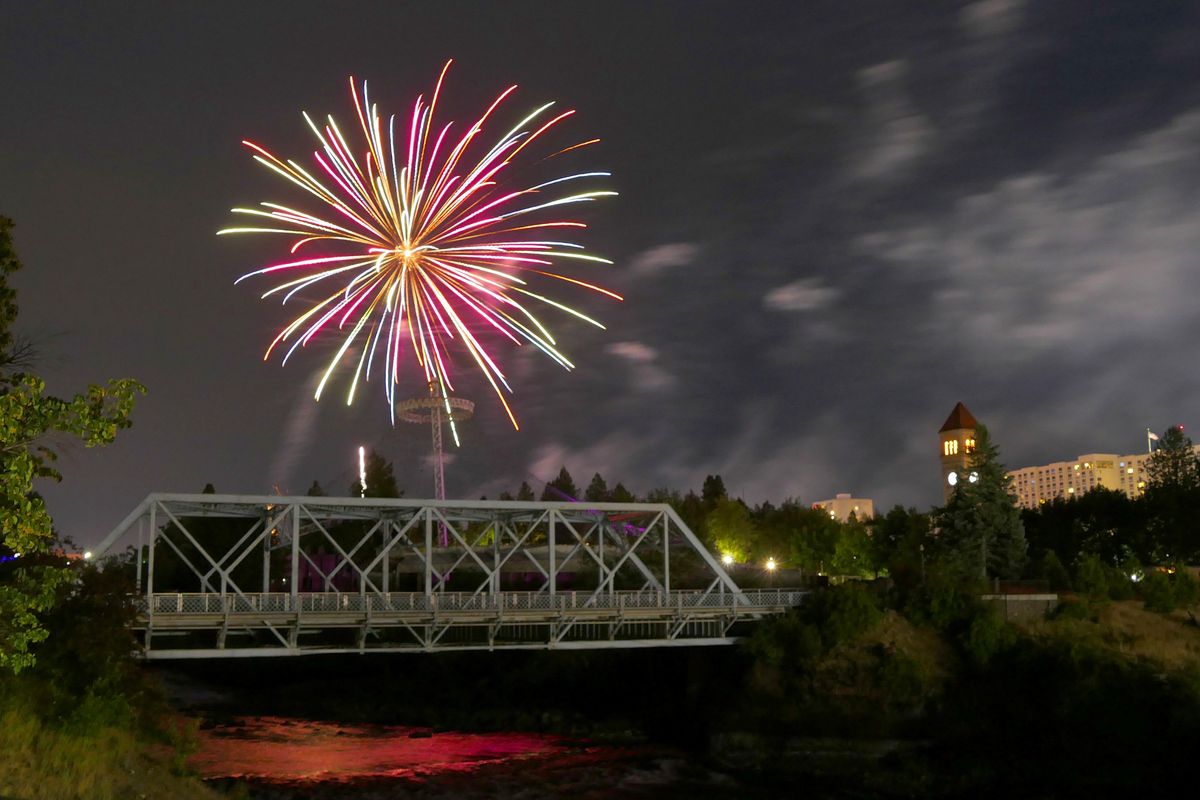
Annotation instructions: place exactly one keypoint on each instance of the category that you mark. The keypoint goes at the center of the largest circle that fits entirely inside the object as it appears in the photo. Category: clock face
(973, 477)
(952, 478)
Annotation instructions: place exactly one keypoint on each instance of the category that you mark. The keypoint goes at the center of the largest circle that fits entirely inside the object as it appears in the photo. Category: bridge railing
(563, 602)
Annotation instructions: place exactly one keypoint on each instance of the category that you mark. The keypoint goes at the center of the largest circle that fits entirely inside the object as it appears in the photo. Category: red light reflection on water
(290, 750)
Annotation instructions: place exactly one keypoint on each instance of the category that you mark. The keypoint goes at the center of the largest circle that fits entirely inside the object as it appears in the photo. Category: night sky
(836, 220)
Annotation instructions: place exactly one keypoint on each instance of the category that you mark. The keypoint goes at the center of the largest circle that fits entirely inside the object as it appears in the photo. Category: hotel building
(843, 505)
(1034, 486)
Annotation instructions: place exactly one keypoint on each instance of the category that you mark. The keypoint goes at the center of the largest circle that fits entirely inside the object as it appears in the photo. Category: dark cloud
(836, 220)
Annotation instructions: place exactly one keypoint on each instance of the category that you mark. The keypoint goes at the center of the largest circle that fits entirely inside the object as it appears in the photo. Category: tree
(28, 417)
(1172, 499)
(622, 495)
(315, 490)
(854, 552)
(597, 490)
(979, 530)
(380, 478)
(1102, 521)
(713, 491)
(730, 530)
(1174, 464)
(900, 539)
(561, 489)
(525, 493)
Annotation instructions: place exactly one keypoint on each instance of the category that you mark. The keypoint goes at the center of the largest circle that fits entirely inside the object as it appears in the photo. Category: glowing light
(430, 248)
(727, 559)
(87, 555)
(770, 565)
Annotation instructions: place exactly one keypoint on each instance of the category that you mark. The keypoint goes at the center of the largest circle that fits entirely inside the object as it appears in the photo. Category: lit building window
(950, 448)
(969, 445)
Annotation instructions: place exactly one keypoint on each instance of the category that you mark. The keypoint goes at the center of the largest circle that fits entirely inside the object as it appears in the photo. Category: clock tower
(957, 443)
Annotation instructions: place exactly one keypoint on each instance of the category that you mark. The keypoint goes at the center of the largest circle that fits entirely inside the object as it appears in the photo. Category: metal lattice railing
(399, 602)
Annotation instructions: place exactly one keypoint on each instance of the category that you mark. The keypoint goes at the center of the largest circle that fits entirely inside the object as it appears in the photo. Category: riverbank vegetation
(77, 716)
(84, 720)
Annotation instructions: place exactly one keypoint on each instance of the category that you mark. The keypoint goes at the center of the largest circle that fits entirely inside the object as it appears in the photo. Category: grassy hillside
(41, 762)
(1128, 629)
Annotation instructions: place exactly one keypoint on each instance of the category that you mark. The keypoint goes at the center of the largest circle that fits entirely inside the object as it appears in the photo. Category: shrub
(1158, 593)
(1120, 587)
(942, 604)
(1072, 608)
(1186, 590)
(902, 679)
(844, 613)
(1091, 577)
(987, 635)
(1053, 572)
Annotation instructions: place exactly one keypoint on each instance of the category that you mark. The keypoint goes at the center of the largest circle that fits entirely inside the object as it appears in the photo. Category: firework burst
(425, 246)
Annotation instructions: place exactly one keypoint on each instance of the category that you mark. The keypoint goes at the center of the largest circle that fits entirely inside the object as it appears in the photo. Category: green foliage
(1075, 608)
(828, 618)
(987, 635)
(29, 418)
(730, 530)
(980, 530)
(597, 490)
(854, 552)
(1157, 592)
(85, 674)
(622, 495)
(1172, 499)
(798, 535)
(903, 680)
(1091, 577)
(9, 263)
(1103, 521)
(1187, 591)
(713, 491)
(1174, 465)
(1051, 570)
(900, 539)
(843, 613)
(1066, 717)
(562, 489)
(942, 602)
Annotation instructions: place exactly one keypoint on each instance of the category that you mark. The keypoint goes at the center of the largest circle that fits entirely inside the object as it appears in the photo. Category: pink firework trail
(431, 248)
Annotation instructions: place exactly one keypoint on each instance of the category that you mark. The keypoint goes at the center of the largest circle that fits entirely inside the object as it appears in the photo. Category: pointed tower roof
(959, 419)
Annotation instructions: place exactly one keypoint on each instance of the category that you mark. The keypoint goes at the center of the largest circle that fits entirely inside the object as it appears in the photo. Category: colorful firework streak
(432, 248)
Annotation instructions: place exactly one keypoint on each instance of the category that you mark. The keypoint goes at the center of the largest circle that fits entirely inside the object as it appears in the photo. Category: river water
(278, 757)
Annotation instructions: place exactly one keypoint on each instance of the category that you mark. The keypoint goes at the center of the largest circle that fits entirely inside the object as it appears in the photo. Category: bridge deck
(284, 624)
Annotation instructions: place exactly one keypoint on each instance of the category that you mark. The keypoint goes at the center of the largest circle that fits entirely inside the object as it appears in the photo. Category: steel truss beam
(222, 575)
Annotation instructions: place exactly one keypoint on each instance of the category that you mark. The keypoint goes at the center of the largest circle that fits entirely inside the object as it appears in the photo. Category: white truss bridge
(234, 576)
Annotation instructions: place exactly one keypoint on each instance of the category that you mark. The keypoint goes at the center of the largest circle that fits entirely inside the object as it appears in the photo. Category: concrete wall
(1022, 606)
